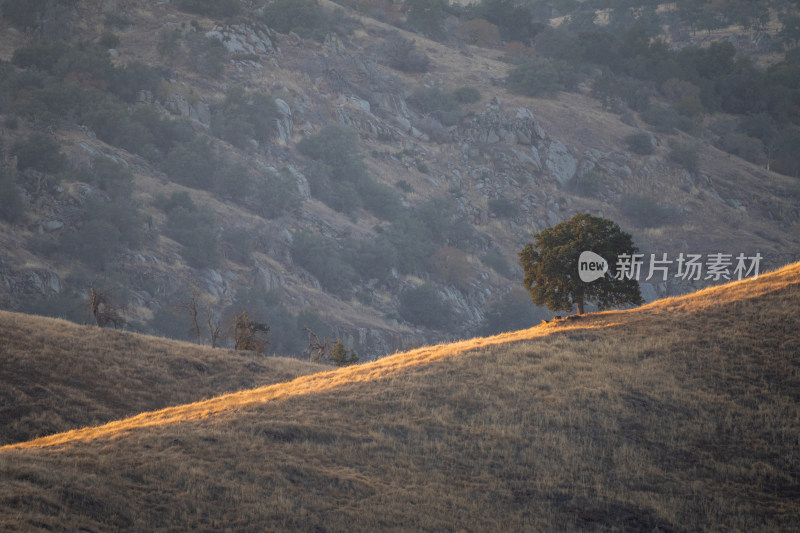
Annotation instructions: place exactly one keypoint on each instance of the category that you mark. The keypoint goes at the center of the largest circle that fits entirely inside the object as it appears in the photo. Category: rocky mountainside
(321, 182)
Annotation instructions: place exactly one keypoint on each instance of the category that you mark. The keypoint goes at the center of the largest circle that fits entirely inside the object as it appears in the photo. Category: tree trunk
(579, 304)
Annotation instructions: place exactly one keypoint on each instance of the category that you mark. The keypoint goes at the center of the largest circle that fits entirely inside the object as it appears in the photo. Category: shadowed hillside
(677, 416)
(56, 376)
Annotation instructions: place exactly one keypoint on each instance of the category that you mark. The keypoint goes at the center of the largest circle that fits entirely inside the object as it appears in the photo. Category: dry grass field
(682, 415)
(56, 375)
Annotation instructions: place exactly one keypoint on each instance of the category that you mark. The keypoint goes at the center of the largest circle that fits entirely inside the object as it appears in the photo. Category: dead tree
(317, 351)
(103, 311)
(249, 334)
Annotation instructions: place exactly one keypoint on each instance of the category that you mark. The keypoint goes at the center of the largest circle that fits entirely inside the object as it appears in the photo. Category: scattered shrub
(193, 164)
(114, 178)
(537, 76)
(401, 54)
(514, 312)
(276, 195)
(495, 260)
(210, 8)
(424, 306)
(12, 207)
(640, 143)
(643, 210)
(503, 208)
(322, 257)
(242, 117)
(39, 152)
(467, 95)
(304, 17)
(587, 183)
(207, 55)
(479, 32)
(685, 155)
(437, 103)
(197, 231)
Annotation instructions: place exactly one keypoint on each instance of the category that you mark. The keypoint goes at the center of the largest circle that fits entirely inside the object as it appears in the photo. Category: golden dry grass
(56, 375)
(681, 415)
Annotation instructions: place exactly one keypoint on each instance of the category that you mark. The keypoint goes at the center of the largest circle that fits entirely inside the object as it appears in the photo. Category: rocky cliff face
(504, 150)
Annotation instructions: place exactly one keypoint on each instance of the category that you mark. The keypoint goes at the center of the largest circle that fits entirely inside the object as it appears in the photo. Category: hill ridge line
(394, 364)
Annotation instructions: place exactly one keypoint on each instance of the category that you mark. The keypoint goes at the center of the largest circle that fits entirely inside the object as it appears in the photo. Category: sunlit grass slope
(56, 375)
(681, 415)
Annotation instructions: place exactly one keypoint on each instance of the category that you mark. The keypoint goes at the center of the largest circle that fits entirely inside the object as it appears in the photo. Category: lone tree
(552, 270)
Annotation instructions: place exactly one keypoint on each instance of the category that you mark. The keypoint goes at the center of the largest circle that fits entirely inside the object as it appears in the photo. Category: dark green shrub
(237, 244)
(588, 183)
(427, 17)
(106, 229)
(322, 257)
(114, 178)
(210, 8)
(435, 102)
(495, 260)
(207, 55)
(503, 208)
(42, 55)
(467, 95)
(538, 76)
(108, 40)
(412, 241)
(12, 207)
(663, 119)
(176, 199)
(39, 152)
(341, 356)
(643, 210)
(401, 54)
(514, 312)
(380, 199)
(242, 117)
(276, 195)
(640, 143)
(193, 164)
(685, 155)
(424, 306)
(304, 17)
(373, 258)
(197, 231)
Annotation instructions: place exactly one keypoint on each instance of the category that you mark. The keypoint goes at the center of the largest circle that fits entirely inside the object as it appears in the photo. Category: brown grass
(681, 415)
(56, 376)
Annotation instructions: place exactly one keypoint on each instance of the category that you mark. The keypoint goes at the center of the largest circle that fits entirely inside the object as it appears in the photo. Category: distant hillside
(677, 416)
(56, 376)
(370, 170)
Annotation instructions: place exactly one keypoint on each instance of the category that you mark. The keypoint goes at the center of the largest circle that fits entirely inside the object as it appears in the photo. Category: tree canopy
(552, 270)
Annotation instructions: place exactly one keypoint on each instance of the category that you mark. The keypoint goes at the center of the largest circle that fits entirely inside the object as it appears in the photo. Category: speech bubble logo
(591, 266)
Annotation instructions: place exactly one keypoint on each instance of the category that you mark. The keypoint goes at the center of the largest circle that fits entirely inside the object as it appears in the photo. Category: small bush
(424, 306)
(12, 207)
(503, 208)
(207, 55)
(536, 77)
(276, 195)
(467, 95)
(322, 257)
(304, 17)
(210, 8)
(401, 54)
(114, 178)
(588, 183)
(197, 231)
(193, 164)
(640, 143)
(663, 119)
(39, 152)
(643, 210)
(479, 32)
(495, 260)
(435, 102)
(242, 117)
(685, 155)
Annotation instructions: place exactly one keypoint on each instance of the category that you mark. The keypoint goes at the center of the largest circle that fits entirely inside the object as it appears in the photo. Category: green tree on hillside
(551, 265)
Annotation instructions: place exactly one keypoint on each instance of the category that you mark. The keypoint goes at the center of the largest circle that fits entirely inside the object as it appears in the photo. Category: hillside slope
(206, 203)
(677, 416)
(56, 375)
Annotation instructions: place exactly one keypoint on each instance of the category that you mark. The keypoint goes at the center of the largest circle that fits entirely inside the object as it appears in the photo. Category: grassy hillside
(324, 165)
(681, 415)
(56, 376)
